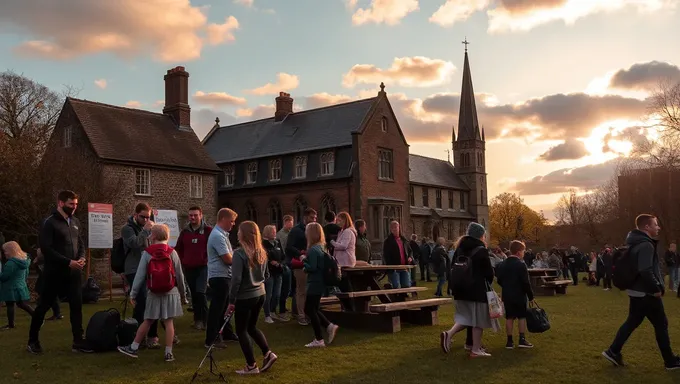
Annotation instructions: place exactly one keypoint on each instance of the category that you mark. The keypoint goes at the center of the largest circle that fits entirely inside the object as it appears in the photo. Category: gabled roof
(468, 126)
(137, 136)
(327, 127)
(434, 172)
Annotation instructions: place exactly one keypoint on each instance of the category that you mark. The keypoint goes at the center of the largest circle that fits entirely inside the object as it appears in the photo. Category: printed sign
(100, 228)
(169, 218)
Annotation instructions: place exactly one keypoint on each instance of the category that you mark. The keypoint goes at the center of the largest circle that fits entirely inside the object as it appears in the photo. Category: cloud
(218, 98)
(257, 113)
(101, 83)
(454, 11)
(222, 33)
(570, 149)
(133, 104)
(560, 181)
(202, 120)
(644, 76)
(388, 12)
(324, 99)
(171, 30)
(415, 71)
(351, 4)
(284, 82)
(245, 3)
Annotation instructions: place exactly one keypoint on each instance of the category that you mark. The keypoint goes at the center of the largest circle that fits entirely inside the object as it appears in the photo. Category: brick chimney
(177, 96)
(284, 106)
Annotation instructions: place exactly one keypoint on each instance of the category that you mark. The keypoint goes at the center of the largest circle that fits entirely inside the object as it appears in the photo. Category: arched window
(383, 124)
(275, 216)
(251, 212)
(300, 167)
(327, 163)
(327, 205)
(299, 207)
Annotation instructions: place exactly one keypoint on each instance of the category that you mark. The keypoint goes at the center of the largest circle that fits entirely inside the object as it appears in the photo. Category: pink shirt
(402, 253)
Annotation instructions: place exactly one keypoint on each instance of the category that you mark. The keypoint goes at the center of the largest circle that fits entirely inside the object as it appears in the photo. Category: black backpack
(624, 268)
(118, 254)
(460, 275)
(331, 270)
(102, 330)
(91, 291)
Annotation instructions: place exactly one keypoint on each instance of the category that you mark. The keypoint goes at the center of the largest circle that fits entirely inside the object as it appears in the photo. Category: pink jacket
(344, 247)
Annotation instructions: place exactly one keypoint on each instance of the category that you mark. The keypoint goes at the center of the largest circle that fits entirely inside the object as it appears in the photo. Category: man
(424, 260)
(287, 282)
(440, 264)
(670, 259)
(608, 263)
(330, 230)
(192, 249)
(415, 251)
(296, 246)
(64, 253)
(363, 245)
(219, 277)
(645, 294)
(397, 252)
(574, 263)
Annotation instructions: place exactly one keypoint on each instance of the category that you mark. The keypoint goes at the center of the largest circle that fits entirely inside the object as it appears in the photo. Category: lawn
(583, 324)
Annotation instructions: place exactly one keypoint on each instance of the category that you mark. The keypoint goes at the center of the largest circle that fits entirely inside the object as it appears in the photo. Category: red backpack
(160, 274)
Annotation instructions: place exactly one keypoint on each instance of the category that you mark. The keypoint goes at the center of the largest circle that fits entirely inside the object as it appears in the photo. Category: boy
(513, 277)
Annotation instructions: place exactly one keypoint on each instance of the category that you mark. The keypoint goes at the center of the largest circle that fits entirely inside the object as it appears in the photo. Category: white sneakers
(332, 329)
(316, 344)
(269, 320)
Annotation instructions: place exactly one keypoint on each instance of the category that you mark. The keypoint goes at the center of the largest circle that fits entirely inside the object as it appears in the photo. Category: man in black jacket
(645, 294)
(424, 260)
(64, 253)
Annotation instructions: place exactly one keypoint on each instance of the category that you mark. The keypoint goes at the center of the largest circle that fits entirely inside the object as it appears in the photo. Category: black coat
(439, 259)
(415, 250)
(296, 243)
(513, 277)
(482, 271)
(391, 253)
(274, 253)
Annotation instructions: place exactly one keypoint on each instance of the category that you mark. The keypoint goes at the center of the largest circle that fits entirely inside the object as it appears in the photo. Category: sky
(560, 84)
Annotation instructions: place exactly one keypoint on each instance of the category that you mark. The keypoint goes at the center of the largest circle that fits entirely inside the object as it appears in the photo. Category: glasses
(145, 217)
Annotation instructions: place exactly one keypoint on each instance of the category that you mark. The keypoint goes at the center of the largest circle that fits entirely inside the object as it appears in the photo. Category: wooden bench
(552, 287)
(351, 295)
(421, 312)
(329, 300)
(358, 301)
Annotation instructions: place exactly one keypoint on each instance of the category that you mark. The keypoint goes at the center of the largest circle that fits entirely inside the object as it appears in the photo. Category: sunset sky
(558, 82)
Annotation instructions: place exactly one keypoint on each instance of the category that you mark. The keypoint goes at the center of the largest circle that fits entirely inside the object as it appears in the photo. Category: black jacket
(425, 253)
(391, 253)
(439, 260)
(415, 250)
(274, 253)
(330, 232)
(482, 271)
(643, 249)
(669, 258)
(297, 242)
(513, 277)
(60, 242)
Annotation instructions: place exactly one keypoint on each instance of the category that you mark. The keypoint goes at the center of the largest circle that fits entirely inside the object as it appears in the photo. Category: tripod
(209, 354)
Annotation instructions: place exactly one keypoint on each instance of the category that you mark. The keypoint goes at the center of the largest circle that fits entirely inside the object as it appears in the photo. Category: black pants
(10, 310)
(197, 279)
(424, 271)
(56, 310)
(652, 308)
(140, 306)
(67, 282)
(573, 268)
(608, 280)
(313, 312)
(246, 313)
(219, 287)
(565, 273)
(285, 289)
(468, 336)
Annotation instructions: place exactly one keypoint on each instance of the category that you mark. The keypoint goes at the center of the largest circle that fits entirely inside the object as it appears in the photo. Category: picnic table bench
(544, 282)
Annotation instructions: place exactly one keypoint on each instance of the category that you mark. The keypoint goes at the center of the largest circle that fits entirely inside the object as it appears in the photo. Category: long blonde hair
(315, 236)
(13, 249)
(251, 241)
(347, 219)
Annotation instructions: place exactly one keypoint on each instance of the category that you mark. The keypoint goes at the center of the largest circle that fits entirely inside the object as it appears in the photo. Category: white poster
(100, 226)
(169, 218)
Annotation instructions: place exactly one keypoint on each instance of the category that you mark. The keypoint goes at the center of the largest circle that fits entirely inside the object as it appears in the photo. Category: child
(513, 277)
(13, 287)
(161, 269)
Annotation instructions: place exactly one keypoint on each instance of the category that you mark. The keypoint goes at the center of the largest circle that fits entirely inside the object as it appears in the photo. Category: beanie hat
(476, 230)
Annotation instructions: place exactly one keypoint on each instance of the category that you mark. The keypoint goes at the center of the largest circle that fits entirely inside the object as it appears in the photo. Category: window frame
(385, 163)
(229, 171)
(249, 170)
(68, 136)
(384, 126)
(412, 195)
(451, 199)
(196, 185)
(438, 198)
(147, 172)
(303, 160)
(327, 160)
(274, 166)
(426, 197)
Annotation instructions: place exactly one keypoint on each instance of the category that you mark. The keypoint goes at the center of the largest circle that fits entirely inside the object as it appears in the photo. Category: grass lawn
(583, 324)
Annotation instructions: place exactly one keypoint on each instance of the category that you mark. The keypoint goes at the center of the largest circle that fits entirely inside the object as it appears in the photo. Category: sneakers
(510, 344)
(316, 344)
(281, 317)
(303, 320)
(269, 320)
(81, 346)
(254, 370)
(176, 340)
(55, 317)
(34, 348)
(332, 330)
(199, 326)
(128, 351)
(169, 357)
(480, 353)
(152, 344)
(445, 342)
(469, 348)
(269, 360)
(674, 365)
(615, 359)
(523, 343)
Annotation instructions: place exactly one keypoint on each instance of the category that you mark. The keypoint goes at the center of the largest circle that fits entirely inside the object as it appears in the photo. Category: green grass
(583, 324)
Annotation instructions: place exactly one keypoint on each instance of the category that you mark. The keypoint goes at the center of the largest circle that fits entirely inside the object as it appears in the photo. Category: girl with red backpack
(161, 269)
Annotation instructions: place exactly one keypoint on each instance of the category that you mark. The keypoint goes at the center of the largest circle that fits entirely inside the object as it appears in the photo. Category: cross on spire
(466, 43)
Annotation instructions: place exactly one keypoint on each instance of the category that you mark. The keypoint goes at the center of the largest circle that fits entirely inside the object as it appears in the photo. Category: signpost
(169, 218)
(100, 234)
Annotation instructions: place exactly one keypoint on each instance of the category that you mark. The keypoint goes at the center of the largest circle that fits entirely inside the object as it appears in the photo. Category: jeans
(607, 284)
(10, 310)
(316, 317)
(565, 273)
(218, 306)
(400, 279)
(285, 289)
(652, 308)
(673, 278)
(57, 282)
(246, 313)
(273, 288)
(140, 306)
(197, 282)
(441, 280)
(574, 273)
(424, 270)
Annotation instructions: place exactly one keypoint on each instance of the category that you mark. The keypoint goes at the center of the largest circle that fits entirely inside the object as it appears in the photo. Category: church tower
(469, 152)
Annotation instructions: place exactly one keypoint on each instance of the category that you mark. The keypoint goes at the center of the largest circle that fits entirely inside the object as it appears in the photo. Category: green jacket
(363, 248)
(314, 264)
(13, 285)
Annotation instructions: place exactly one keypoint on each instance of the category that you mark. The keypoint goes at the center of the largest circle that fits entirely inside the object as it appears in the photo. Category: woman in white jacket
(344, 247)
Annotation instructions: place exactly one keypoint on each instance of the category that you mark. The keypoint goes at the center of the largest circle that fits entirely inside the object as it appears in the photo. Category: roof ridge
(115, 106)
(431, 158)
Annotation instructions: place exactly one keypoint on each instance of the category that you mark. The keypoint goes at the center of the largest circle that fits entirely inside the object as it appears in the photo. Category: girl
(247, 296)
(313, 265)
(273, 283)
(163, 306)
(13, 288)
(345, 246)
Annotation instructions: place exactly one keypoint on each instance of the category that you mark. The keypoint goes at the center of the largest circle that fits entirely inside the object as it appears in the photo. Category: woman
(314, 260)
(344, 246)
(13, 287)
(247, 295)
(272, 285)
(592, 270)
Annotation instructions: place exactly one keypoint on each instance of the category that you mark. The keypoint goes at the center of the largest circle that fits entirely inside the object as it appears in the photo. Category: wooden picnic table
(544, 282)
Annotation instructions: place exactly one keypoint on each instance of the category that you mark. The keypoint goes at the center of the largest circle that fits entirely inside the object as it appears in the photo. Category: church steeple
(468, 126)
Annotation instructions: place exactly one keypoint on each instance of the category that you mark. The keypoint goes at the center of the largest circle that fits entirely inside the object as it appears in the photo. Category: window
(450, 230)
(426, 197)
(251, 212)
(142, 182)
(462, 200)
(385, 170)
(327, 164)
(438, 198)
(196, 186)
(300, 167)
(275, 216)
(391, 213)
(229, 175)
(299, 206)
(275, 170)
(451, 200)
(251, 173)
(68, 134)
(327, 205)
(412, 196)
(383, 124)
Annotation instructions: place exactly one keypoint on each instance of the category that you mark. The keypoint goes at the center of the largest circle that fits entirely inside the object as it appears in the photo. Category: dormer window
(327, 164)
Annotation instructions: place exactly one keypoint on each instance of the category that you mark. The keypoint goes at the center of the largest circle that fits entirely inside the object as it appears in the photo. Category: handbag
(495, 303)
(537, 319)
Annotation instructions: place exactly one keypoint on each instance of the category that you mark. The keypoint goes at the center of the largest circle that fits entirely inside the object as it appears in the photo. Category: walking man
(645, 294)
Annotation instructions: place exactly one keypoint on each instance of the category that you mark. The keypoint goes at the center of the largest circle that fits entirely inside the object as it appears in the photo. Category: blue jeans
(400, 279)
(285, 289)
(440, 284)
(273, 288)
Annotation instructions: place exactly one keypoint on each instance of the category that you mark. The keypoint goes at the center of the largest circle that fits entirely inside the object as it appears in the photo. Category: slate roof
(435, 172)
(327, 127)
(137, 136)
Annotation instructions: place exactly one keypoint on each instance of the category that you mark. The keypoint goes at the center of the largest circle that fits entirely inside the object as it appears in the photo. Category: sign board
(100, 226)
(169, 218)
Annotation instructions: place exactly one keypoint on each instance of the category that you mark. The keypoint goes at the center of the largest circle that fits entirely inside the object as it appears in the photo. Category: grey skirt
(162, 307)
(472, 314)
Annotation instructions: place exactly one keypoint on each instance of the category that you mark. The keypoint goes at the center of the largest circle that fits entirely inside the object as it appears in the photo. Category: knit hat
(476, 230)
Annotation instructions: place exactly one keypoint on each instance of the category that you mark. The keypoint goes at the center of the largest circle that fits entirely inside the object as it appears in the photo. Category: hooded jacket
(135, 240)
(60, 242)
(482, 271)
(13, 280)
(642, 248)
(163, 250)
(362, 250)
(192, 246)
(345, 247)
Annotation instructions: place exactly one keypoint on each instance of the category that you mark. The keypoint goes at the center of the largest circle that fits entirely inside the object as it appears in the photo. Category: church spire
(468, 126)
